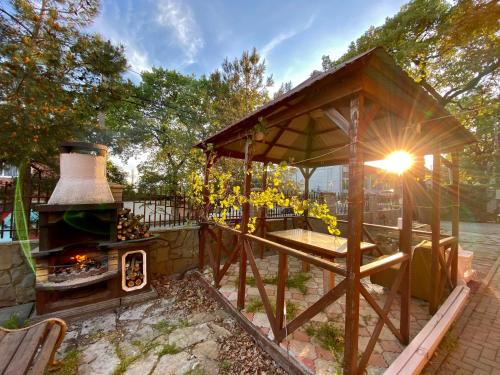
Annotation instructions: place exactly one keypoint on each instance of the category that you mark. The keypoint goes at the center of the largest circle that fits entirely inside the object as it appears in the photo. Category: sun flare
(397, 162)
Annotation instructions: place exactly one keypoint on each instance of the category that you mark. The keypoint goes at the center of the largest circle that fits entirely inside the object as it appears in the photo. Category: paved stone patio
(161, 337)
(307, 349)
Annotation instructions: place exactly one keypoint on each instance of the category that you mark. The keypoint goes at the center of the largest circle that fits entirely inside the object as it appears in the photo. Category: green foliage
(223, 197)
(451, 49)
(449, 343)
(115, 174)
(169, 349)
(69, 364)
(195, 371)
(224, 367)
(238, 88)
(165, 114)
(329, 336)
(255, 305)
(165, 327)
(14, 322)
(125, 361)
(54, 77)
(297, 281)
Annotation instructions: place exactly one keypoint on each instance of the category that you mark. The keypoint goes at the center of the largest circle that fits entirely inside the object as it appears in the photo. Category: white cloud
(179, 18)
(281, 37)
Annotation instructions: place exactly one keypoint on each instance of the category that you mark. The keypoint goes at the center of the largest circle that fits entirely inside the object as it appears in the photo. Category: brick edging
(285, 360)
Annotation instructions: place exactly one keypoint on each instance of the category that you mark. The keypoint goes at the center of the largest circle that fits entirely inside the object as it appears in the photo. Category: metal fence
(39, 194)
(164, 209)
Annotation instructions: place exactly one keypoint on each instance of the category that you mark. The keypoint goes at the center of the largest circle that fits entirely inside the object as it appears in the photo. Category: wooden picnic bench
(30, 350)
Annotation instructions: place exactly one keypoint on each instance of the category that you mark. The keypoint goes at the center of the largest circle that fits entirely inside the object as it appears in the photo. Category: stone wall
(17, 280)
(175, 251)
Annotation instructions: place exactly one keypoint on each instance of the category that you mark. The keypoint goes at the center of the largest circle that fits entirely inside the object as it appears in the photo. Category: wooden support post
(244, 224)
(455, 215)
(206, 212)
(263, 213)
(355, 222)
(280, 289)
(405, 243)
(218, 253)
(436, 228)
(306, 173)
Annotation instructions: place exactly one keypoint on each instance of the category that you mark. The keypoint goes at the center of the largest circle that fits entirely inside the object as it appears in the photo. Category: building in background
(7, 172)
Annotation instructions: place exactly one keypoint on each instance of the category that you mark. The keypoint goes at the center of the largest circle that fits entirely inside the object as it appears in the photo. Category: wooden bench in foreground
(30, 350)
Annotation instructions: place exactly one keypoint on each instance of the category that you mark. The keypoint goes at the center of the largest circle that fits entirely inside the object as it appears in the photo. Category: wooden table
(319, 244)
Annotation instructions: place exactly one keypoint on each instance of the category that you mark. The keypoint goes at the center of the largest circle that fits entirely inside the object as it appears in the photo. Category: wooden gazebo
(360, 110)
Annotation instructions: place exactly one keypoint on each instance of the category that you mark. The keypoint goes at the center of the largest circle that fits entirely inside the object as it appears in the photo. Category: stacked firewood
(130, 226)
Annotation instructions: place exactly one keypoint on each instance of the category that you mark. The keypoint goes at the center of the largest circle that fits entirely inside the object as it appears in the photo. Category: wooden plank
(380, 324)
(455, 214)
(9, 347)
(322, 263)
(228, 263)
(46, 354)
(383, 263)
(320, 244)
(405, 245)
(263, 213)
(218, 255)
(245, 216)
(314, 309)
(262, 290)
(26, 351)
(414, 357)
(436, 228)
(280, 289)
(368, 297)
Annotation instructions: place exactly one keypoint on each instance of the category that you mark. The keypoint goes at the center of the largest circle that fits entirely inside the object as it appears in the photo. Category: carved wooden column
(355, 222)
(436, 229)
(244, 223)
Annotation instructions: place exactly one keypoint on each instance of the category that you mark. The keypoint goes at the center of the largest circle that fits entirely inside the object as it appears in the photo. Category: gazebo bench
(30, 350)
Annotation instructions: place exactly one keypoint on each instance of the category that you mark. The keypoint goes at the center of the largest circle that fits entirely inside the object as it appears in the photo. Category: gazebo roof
(308, 126)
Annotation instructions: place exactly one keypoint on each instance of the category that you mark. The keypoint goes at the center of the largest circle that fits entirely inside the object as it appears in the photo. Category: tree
(115, 174)
(452, 50)
(165, 116)
(284, 88)
(238, 88)
(54, 78)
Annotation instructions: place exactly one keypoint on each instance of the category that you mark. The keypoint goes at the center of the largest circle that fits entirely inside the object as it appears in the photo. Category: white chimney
(83, 175)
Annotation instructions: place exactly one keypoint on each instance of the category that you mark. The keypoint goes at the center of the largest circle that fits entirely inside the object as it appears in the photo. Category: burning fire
(79, 258)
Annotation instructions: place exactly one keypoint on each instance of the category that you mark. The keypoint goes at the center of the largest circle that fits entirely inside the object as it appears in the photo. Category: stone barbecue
(79, 262)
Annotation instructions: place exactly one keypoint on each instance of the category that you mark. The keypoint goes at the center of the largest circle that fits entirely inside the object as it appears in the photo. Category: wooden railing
(221, 258)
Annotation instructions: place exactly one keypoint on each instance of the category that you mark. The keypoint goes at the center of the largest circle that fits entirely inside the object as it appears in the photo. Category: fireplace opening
(134, 275)
(80, 265)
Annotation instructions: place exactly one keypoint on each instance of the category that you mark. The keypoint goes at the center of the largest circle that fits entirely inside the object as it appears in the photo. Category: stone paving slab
(106, 346)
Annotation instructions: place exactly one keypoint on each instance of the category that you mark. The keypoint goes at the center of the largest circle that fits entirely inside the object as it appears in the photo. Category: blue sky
(194, 36)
